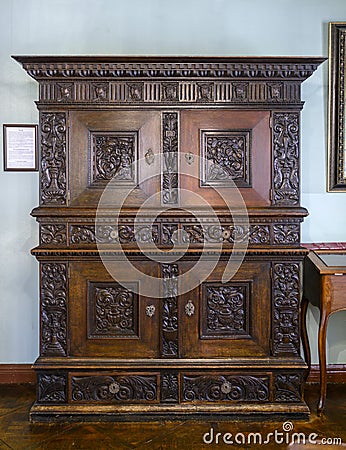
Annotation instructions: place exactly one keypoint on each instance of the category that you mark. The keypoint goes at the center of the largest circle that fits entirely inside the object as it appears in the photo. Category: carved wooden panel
(169, 314)
(285, 309)
(53, 309)
(288, 387)
(112, 310)
(53, 234)
(225, 156)
(225, 388)
(225, 310)
(169, 387)
(113, 156)
(53, 170)
(115, 388)
(285, 158)
(170, 139)
(51, 388)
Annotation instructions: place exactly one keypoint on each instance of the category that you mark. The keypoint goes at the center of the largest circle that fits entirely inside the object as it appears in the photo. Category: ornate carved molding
(228, 388)
(74, 67)
(265, 233)
(53, 176)
(170, 139)
(53, 309)
(169, 315)
(285, 309)
(285, 159)
(115, 388)
(51, 388)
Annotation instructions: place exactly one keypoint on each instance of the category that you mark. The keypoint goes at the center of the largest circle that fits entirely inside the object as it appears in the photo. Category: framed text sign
(337, 117)
(20, 147)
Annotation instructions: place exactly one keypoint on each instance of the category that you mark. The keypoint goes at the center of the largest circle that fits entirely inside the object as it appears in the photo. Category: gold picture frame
(337, 117)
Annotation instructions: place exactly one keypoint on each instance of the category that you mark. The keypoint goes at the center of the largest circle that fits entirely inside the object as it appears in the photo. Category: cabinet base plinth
(110, 413)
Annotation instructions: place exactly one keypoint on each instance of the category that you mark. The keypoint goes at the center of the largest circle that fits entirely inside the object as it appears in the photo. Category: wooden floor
(17, 433)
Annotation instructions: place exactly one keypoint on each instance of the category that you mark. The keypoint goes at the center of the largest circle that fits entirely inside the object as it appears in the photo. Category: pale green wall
(191, 27)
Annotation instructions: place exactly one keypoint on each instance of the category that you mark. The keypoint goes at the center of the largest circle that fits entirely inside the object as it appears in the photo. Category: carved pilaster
(169, 387)
(170, 141)
(285, 309)
(53, 309)
(285, 159)
(53, 168)
(169, 316)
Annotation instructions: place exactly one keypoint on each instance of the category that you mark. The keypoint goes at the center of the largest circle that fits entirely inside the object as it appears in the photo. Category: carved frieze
(51, 388)
(286, 234)
(230, 388)
(113, 156)
(225, 310)
(285, 159)
(169, 316)
(288, 387)
(112, 311)
(124, 234)
(170, 139)
(285, 308)
(54, 233)
(53, 177)
(53, 309)
(277, 233)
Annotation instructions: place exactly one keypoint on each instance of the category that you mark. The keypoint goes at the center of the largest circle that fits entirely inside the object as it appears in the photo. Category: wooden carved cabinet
(155, 173)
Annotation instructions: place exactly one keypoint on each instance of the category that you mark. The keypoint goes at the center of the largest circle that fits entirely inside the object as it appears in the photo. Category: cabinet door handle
(150, 310)
(189, 308)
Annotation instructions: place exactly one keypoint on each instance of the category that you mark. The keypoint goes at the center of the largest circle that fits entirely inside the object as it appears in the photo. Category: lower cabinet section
(110, 351)
(121, 395)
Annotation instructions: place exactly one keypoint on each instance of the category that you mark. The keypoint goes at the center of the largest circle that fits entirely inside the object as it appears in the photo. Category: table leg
(322, 334)
(305, 338)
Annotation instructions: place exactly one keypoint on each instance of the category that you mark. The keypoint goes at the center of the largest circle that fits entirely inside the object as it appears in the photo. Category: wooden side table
(325, 287)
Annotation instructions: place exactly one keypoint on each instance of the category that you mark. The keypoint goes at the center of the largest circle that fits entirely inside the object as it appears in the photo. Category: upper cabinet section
(109, 81)
(183, 131)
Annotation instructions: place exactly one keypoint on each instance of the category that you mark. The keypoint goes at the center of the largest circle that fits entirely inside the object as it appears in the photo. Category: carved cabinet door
(222, 319)
(110, 318)
(223, 149)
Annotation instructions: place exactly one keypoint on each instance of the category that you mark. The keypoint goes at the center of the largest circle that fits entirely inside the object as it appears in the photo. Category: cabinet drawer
(221, 387)
(114, 388)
